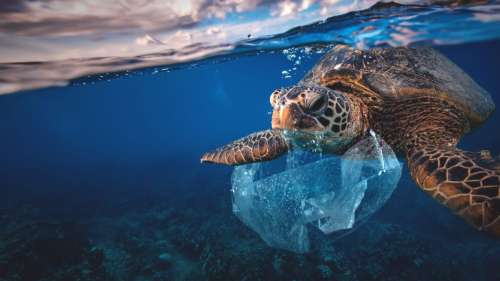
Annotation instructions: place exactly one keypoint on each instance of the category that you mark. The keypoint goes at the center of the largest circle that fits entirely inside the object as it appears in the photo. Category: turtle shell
(402, 71)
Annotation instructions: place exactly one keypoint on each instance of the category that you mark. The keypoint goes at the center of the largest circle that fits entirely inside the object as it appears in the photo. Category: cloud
(88, 17)
(87, 28)
(10, 6)
(148, 40)
(59, 18)
(72, 18)
(289, 7)
(286, 8)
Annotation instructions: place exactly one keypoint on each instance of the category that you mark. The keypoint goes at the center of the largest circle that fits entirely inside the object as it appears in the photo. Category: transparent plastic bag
(279, 199)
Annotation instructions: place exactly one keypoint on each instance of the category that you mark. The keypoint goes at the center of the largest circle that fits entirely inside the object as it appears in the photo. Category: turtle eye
(318, 105)
(273, 99)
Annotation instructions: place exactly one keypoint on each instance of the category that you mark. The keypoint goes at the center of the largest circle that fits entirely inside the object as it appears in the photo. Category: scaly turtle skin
(415, 98)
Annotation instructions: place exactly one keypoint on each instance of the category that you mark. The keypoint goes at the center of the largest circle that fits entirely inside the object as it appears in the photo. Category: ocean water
(101, 178)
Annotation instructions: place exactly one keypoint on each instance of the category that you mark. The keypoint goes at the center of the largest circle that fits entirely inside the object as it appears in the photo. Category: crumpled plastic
(281, 199)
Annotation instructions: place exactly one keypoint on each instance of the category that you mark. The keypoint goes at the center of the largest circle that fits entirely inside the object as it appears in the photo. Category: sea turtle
(419, 101)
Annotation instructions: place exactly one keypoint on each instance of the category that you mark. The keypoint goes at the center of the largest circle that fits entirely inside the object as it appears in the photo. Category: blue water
(101, 180)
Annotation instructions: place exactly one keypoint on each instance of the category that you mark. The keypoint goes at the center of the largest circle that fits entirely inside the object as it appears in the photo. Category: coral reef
(36, 248)
(173, 240)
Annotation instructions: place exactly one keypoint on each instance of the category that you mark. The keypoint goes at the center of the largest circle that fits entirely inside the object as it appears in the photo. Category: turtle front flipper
(466, 182)
(256, 147)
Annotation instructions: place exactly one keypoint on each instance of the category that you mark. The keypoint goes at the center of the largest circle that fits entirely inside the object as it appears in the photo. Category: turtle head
(310, 111)
(309, 116)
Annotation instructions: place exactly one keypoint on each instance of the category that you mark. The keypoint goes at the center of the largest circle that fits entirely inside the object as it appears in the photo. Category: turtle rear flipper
(463, 181)
(256, 147)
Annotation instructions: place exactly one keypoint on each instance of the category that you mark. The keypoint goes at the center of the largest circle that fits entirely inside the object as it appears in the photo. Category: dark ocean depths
(101, 180)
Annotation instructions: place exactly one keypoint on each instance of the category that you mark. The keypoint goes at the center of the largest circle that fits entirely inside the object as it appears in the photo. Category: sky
(47, 30)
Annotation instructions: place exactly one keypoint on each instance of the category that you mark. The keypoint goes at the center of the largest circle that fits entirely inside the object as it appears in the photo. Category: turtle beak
(292, 117)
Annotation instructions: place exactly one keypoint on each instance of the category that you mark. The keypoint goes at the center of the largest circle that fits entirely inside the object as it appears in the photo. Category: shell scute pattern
(381, 73)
